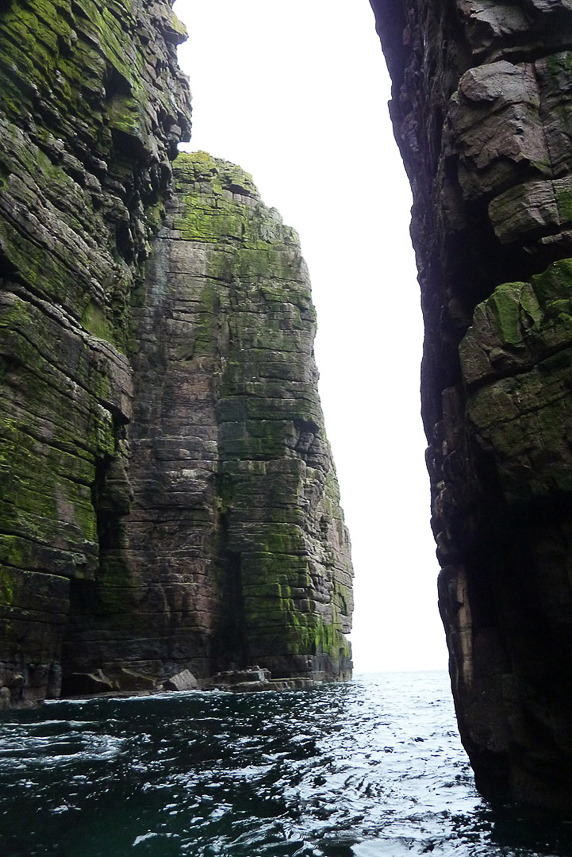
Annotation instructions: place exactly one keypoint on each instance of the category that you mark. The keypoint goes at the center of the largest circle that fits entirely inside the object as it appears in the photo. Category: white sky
(296, 93)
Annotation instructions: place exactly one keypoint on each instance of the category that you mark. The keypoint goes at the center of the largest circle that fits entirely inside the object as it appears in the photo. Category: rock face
(91, 107)
(235, 550)
(167, 498)
(482, 110)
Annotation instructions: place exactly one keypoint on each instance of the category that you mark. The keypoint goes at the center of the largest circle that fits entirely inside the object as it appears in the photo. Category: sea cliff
(168, 500)
(482, 106)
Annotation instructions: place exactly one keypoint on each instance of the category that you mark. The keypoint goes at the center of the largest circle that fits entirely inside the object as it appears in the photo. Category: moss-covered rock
(516, 360)
(91, 105)
(166, 489)
(235, 549)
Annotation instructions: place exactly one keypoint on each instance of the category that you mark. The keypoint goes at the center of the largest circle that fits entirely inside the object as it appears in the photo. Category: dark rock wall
(125, 536)
(91, 107)
(482, 111)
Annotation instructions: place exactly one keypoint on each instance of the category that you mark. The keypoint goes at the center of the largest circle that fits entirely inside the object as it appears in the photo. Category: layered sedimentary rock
(92, 106)
(167, 497)
(482, 110)
(235, 551)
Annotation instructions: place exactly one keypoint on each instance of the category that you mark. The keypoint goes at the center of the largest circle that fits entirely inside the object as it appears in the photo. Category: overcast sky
(296, 93)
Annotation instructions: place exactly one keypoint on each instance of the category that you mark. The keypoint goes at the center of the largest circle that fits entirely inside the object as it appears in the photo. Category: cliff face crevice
(167, 496)
(481, 109)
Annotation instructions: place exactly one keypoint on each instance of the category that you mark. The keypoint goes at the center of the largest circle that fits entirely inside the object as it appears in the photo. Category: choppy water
(365, 769)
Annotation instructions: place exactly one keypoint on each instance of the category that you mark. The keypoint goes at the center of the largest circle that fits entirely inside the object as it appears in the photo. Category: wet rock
(255, 679)
(252, 675)
(87, 684)
(126, 679)
(5, 699)
(15, 681)
(184, 680)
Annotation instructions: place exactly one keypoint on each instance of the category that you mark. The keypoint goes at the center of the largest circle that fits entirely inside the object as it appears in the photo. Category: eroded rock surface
(235, 550)
(167, 496)
(482, 110)
(92, 105)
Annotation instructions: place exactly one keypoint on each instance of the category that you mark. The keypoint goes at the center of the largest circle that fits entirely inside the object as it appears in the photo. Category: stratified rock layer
(92, 105)
(235, 551)
(482, 110)
(167, 498)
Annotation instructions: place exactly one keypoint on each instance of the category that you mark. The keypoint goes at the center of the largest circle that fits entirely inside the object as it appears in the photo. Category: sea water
(369, 768)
